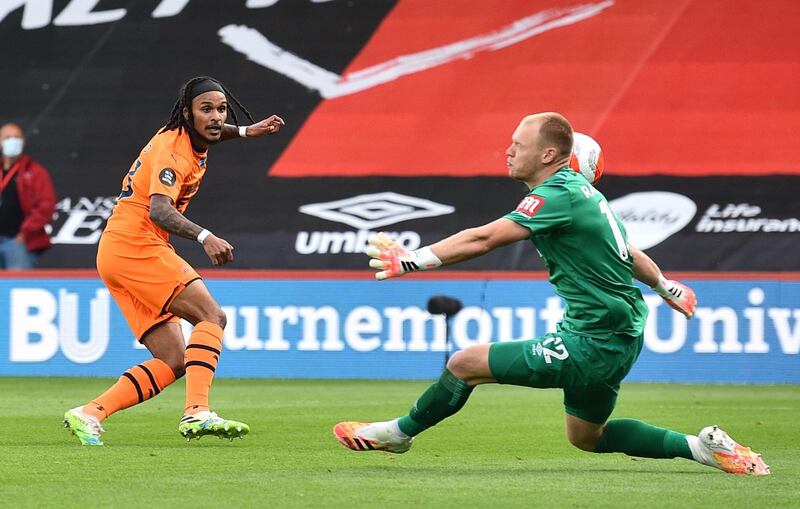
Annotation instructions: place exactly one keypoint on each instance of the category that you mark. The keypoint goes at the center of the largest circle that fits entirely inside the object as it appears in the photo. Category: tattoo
(167, 217)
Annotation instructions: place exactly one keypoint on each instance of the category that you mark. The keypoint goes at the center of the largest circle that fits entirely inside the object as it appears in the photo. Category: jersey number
(622, 246)
(127, 190)
(558, 352)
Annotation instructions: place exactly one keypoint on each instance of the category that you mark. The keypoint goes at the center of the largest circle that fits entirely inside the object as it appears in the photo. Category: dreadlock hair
(179, 122)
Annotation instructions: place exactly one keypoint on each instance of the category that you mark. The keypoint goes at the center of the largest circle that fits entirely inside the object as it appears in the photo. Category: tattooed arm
(164, 215)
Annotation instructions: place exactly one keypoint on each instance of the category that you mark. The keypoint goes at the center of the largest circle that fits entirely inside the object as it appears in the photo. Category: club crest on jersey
(530, 205)
(167, 177)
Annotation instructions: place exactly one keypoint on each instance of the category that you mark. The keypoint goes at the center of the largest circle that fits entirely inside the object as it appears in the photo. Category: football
(587, 157)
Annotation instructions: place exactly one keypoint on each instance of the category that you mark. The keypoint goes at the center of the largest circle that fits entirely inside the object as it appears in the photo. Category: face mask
(12, 147)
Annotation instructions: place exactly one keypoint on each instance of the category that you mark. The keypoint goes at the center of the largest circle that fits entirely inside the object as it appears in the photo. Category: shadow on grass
(522, 471)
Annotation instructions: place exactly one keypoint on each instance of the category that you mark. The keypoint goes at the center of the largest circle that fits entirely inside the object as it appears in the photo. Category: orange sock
(136, 385)
(202, 356)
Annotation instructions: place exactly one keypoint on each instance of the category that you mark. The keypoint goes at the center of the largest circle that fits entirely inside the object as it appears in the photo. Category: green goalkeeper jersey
(585, 249)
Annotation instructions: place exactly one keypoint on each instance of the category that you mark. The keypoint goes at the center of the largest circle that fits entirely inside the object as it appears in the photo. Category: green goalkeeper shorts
(588, 369)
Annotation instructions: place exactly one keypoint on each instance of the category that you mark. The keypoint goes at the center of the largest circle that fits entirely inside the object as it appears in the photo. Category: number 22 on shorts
(558, 350)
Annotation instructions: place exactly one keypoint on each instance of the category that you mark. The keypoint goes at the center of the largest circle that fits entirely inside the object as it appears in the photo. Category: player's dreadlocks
(185, 96)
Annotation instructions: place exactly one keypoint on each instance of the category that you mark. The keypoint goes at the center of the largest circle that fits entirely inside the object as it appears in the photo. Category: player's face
(524, 154)
(210, 110)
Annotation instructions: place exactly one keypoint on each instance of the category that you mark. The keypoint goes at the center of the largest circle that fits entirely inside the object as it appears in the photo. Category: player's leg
(166, 343)
(587, 429)
(136, 385)
(140, 382)
(590, 399)
(713, 447)
(195, 304)
(464, 371)
(590, 395)
(145, 380)
(629, 436)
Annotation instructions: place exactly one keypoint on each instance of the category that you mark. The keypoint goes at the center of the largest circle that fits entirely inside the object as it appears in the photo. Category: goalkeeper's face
(524, 156)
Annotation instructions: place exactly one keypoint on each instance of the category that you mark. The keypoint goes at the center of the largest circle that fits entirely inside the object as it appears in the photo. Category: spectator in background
(27, 203)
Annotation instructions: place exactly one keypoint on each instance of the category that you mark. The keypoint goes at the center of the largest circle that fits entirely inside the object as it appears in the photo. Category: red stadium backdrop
(684, 87)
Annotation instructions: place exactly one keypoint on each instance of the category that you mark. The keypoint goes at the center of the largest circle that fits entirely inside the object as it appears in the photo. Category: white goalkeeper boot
(713, 447)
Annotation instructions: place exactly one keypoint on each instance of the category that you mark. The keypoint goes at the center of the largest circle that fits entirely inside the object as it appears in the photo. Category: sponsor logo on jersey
(652, 217)
(167, 177)
(530, 205)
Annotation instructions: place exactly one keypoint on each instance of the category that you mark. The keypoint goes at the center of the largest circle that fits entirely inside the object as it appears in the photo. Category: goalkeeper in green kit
(585, 249)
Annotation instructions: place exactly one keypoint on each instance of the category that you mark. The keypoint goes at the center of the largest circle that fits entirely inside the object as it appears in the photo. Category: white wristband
(243, 131)
(663, 286)
(201, 237)
(425, 258)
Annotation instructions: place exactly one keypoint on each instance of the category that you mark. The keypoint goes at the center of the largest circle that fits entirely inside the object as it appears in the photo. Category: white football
(587, 157)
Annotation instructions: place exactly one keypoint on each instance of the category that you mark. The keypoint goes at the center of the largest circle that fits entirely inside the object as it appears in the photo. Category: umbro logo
(369, 211)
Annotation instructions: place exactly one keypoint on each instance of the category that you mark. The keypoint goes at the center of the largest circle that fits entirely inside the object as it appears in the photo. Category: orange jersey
(167, 165)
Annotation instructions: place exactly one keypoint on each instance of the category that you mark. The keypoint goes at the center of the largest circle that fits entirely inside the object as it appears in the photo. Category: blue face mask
(12, 147)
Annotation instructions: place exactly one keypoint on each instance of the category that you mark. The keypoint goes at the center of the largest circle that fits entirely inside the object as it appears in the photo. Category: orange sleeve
(169, 171)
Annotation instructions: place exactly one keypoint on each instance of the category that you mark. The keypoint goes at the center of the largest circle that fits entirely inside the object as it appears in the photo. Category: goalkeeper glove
(395, 261)
(680, 297)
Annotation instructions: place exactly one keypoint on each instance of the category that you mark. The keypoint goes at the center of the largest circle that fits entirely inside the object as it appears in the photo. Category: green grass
(506, 448)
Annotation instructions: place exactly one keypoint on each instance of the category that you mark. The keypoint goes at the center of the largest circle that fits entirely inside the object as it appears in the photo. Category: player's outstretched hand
(394, 260)
(386, 254)
(266, 127)
(680, 297)
(218, 250)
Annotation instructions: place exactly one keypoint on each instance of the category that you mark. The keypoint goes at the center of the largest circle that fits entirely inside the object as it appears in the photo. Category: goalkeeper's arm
(474, 242)
(679, 296)
(464, 245)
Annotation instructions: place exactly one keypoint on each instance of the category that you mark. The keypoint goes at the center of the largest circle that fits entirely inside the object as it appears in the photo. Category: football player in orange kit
(151, 284)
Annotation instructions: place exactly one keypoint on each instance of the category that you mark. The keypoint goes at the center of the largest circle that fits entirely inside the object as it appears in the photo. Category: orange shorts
(144, 277)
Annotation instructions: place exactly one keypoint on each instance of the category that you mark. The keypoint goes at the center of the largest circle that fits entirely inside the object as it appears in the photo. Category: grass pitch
(506, 448)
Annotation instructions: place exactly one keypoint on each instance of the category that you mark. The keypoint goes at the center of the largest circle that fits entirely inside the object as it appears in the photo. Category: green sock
(637, 438)
(439, 401)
